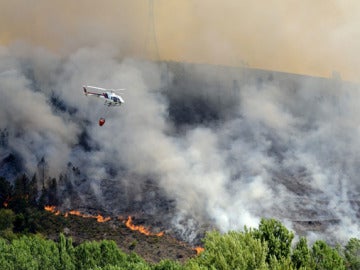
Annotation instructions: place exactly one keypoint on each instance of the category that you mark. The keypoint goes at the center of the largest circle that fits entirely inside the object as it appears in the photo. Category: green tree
(87, 255)
(168, 265)
(283, 264)
(111, 254)
(45, 252)
(325, 257)
(352, 254)
(277, 237)
(233, 250)
(27, 221)
(135, 262)
(301, 256)
(66, 253)
(7, 218)
(5, 262)
(195, 265)
(20, 256)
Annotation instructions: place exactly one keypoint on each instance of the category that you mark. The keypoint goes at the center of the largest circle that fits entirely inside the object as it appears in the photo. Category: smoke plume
(287, 150)
(213, 146)
(304, 37)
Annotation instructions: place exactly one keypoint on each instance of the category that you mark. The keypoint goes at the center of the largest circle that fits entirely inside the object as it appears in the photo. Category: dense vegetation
(270, 246)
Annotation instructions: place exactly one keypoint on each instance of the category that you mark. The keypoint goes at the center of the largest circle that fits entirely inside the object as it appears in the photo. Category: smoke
(304, 37)
(283, 146)
(223, 147)
(26, 111)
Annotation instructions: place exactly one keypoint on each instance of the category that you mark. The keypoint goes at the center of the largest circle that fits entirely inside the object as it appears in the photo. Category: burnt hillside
(194, 147)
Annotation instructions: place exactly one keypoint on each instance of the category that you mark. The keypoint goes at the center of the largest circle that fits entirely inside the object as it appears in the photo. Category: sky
(307, 37)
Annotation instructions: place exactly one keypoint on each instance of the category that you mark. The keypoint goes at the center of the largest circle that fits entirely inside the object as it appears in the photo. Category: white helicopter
(111, 99)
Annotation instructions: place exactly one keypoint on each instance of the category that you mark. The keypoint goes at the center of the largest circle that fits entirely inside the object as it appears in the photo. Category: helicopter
(111, 99)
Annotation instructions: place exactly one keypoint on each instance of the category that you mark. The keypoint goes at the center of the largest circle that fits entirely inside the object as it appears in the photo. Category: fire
(140, 228)
(99, 218)
(199, 250)
(6, 202)
(52, 209)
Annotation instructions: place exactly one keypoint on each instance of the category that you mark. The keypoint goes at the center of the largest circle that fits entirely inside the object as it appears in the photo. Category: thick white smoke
(279, 152)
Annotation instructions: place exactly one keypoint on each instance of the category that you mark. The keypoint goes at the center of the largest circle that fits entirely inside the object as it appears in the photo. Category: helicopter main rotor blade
(105, 89)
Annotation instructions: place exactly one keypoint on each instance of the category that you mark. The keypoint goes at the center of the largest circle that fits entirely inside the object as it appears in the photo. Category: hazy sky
(310, 37)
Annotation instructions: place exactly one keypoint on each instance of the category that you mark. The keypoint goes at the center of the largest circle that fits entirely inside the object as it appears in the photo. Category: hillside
(151, 247)
(193, 148)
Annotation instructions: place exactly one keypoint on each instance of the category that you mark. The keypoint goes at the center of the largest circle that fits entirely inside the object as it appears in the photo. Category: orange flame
(140, 228)
(99, 218)
(52, 209)
(6, 202)
(199, 250)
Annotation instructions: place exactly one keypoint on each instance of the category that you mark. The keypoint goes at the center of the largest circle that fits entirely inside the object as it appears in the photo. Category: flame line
(99, 218)
(141, 228)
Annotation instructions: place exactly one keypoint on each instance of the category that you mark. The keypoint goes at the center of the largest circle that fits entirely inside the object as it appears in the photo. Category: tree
(168, 265)
(87, 255)
(52, 192)
(233, 250)
(66, 253)
(301, 256)
(5, 262)
(277, 237)
(20, 197)
(19, 254)
(352, 254)
(33, 191)
(283, 264)
(5, 192)
(326, 257)
(44, 252)
(111, 254)
(7, 217)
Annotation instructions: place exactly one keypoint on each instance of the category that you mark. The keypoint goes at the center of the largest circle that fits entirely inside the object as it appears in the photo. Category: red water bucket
(101, 121)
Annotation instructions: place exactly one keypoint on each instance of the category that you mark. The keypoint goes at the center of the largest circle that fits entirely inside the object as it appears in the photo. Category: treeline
(24, 203)
(25, 193)
(270, 246)
(35, 252)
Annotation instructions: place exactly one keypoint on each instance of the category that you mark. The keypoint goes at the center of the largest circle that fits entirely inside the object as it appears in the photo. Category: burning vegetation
(99, 218)
(142, 229)
(199, 250)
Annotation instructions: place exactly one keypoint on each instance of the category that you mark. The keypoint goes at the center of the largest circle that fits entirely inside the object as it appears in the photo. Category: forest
(24, 245)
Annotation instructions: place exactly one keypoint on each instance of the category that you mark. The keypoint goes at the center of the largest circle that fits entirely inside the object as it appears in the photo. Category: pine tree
(326, 257)
(277, 236)
(6, 191)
